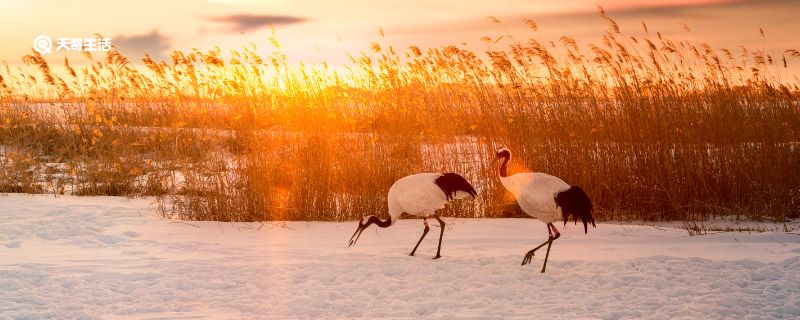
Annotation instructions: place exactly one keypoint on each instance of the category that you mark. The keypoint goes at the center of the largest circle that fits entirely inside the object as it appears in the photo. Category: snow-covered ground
(106, 257)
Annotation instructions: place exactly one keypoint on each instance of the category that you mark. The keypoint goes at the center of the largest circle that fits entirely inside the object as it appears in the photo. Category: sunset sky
(314, 31)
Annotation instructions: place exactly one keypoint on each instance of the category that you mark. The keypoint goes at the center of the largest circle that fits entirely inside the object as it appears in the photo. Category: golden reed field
(652, 128)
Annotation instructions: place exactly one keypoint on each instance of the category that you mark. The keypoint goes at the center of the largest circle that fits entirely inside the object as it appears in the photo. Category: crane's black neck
(378, 222)
(504, 165)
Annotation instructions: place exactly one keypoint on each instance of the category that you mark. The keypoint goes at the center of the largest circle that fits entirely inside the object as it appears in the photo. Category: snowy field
(111, 258)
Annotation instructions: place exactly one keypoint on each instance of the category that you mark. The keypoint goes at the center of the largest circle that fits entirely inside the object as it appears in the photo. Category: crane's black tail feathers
(576, 203)
(450, 183)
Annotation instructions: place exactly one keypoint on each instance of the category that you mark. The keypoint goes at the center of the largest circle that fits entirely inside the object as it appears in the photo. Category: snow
(106, 257)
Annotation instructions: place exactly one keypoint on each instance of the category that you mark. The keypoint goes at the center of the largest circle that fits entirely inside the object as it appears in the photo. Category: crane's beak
(357, 234)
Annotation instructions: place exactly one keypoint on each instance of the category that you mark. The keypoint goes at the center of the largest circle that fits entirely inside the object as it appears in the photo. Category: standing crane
(546, 198)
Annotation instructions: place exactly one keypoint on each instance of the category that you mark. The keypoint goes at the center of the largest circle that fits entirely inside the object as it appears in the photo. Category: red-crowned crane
(420, 195)
(546, 198)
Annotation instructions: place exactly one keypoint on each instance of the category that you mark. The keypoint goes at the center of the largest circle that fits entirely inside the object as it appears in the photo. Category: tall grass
(653, 128)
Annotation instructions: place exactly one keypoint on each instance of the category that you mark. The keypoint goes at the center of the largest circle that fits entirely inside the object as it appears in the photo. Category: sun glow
(234, 123)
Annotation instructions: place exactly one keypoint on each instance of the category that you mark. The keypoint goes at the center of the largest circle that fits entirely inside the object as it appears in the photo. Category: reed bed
(653, 128)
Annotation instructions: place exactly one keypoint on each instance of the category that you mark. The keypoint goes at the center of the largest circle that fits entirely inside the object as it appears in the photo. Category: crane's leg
(554, 231)
(551, 237)
(424, 232)
(441, 234)
(549, 244)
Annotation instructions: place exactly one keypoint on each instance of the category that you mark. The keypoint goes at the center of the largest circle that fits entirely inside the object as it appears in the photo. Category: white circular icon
(43, 44)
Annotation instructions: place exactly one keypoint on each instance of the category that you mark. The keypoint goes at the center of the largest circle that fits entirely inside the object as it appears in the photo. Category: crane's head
(366, 222)
(362, 224)
(503, 152)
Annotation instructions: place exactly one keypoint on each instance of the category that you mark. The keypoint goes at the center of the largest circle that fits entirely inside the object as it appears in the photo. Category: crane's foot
(437, 257)
(528, 257)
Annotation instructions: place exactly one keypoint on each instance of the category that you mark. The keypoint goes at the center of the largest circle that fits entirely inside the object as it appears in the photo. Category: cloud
(246, 22)
(673, 10)
(154, 43)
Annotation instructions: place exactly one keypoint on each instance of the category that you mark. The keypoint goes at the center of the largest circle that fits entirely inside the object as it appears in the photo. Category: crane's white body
(535, 193)
(418, 195)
